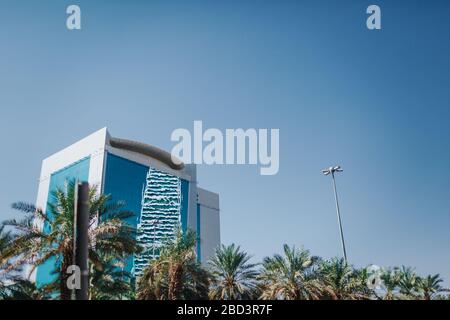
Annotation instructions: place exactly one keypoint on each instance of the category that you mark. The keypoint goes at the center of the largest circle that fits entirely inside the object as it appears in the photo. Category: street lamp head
(332, 170)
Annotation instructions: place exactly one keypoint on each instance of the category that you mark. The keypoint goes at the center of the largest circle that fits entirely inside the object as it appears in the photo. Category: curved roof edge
(146, 149)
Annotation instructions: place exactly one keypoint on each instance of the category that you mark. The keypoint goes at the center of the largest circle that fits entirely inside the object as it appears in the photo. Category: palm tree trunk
(175, 283)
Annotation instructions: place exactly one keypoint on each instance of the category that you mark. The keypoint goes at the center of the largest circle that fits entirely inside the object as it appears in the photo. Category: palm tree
(290, 277)
(12, 285)
(176, 274)
(430, 286)
(390, 283)
(340, 280)
(111, 282)
(5, 242)
(41, 236)
(233, 276)
(408, 283)
(362, 281)
(24, 289)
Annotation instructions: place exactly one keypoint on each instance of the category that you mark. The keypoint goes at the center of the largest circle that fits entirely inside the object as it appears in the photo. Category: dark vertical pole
(81, 239)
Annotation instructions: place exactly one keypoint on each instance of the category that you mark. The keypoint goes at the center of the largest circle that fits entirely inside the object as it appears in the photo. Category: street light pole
(332, 171)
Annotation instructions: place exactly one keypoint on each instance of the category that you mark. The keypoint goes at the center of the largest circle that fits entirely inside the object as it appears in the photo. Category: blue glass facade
(124, 180)
(151, 195)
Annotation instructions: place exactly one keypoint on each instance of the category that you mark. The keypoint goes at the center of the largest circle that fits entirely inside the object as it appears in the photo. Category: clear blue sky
(375, 102)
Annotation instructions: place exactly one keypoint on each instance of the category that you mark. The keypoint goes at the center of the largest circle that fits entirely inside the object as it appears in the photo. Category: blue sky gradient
(375, 102)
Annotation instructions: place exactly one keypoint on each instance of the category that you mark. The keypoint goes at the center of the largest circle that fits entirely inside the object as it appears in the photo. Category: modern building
(161, 193)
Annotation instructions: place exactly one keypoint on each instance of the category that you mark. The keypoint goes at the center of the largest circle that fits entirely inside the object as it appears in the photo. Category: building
(162, 194)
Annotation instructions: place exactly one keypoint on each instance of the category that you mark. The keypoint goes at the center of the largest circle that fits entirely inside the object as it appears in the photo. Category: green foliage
(111, 282)
(290, 277)
(41, 236)
(176, 274)
(342, 282)
(233, 277)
